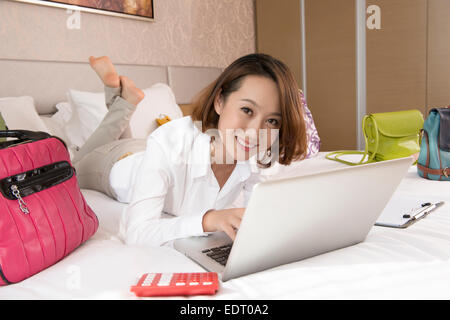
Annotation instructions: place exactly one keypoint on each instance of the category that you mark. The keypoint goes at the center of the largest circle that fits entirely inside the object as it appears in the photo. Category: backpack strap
(426, 168)
(443, 144)
(438, 172)
(444, 128)
(427, 163)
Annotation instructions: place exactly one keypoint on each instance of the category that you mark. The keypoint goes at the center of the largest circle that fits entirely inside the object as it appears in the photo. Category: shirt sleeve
(142, 221)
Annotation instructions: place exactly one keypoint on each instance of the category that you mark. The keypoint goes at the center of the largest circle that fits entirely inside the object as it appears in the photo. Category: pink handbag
(43, 215)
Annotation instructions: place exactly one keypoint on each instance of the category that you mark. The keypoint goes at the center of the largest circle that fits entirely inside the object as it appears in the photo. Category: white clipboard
(402, 211)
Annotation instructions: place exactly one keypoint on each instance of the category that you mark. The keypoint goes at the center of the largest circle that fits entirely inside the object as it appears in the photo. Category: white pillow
(63, 113)
(159, 100)
(20, 113)
(89, 109)
(56, 123)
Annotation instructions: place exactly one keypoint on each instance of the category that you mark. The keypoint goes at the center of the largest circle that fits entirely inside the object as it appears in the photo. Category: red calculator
(176, 284)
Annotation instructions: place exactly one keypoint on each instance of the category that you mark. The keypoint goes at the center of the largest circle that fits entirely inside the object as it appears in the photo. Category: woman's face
(249, 118)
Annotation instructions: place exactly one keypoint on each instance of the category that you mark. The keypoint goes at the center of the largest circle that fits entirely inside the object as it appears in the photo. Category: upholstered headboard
(47, 81)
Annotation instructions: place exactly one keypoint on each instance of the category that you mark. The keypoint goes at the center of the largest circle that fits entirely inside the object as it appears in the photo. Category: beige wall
(331, 70)
(438, 71)
(281, 40)
(185, 32)
(407, 59)
(397, 57)
(330, 54)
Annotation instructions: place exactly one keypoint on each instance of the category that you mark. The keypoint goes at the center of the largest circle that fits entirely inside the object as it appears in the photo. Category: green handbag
(388, 135)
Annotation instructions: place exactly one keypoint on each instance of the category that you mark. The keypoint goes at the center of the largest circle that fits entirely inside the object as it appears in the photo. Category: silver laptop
(295, 218)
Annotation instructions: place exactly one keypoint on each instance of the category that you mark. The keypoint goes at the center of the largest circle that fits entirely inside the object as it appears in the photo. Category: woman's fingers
(232, 224)
(226, 220)
(235, 222)
(229, 230)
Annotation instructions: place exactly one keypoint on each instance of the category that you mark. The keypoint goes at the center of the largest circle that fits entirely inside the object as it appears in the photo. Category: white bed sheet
(412, 263)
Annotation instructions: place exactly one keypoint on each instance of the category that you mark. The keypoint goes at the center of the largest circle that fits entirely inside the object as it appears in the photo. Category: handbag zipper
(52, 174)
(19, 186)
(22, 205)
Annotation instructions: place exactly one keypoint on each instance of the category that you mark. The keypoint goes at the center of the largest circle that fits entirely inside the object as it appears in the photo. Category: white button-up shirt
(174, 176)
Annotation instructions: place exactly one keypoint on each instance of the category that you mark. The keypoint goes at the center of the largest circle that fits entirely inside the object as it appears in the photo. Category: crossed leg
(110, 78)
(95, 159)
(122, 97)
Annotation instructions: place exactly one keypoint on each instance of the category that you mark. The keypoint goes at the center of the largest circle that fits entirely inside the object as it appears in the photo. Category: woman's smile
(245, 143)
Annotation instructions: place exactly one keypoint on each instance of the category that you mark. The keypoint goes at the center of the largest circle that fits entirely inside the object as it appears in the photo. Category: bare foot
(130, 92)
(105, 70)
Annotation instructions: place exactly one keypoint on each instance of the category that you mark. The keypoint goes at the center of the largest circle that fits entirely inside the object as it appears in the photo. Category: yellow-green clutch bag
(388, 135)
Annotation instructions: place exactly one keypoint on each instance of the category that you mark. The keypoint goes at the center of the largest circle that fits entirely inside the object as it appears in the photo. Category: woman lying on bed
(195, 167)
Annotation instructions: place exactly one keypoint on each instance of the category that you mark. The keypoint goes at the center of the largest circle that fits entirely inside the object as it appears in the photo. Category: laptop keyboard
(219, 254)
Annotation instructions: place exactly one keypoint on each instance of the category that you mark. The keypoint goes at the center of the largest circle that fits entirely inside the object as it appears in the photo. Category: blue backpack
(434, 156)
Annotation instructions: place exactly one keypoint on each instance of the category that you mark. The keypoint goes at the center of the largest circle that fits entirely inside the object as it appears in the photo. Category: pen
(423, 206)
(427, 210)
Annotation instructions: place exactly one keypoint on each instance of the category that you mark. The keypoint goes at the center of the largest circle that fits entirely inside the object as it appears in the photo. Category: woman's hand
(226, 220)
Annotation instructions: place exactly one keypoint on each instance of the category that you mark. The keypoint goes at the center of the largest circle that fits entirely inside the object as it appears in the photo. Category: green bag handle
(336, 154)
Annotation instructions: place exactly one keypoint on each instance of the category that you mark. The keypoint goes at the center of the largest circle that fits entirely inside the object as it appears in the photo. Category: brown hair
(292, 133)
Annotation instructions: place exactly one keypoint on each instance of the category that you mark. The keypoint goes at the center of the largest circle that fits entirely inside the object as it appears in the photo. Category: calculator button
(176, 284)
(148, 279)
(165, 279)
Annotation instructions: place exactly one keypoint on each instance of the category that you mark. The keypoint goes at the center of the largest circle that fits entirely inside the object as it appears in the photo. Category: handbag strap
(336, 154)
(24, 134)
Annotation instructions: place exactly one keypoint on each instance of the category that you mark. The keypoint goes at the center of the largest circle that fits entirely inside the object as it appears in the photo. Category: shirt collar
(243, 170)
(201, 159)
